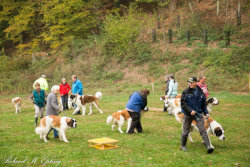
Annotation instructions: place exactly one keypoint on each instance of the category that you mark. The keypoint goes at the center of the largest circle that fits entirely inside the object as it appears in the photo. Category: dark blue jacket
(193, 99)
(137, 102)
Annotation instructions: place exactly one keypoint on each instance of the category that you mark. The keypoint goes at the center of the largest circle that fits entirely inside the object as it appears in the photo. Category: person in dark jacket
(137, 102)
(64, 90)
(166, 91)
(38, 98)
(193, 105)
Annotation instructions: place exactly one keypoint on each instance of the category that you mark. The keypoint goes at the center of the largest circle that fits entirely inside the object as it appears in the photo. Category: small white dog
(18, 102)
(61, 124)
(81, 102)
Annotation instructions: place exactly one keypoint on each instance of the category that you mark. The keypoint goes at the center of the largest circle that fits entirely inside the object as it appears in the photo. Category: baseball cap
(192, 79)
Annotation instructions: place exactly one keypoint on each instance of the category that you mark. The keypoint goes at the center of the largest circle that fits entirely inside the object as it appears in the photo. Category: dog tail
(39, 130)
(109, 119)
(98, 95)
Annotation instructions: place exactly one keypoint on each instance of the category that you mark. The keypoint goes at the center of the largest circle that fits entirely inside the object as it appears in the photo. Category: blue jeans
(55, 133)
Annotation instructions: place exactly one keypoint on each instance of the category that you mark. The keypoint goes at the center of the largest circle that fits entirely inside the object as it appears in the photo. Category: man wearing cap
(43, 83)
(193, 105)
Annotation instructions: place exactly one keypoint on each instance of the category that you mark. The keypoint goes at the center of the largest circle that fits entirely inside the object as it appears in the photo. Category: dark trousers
(136, 123)
(65, 102)
(187, 121)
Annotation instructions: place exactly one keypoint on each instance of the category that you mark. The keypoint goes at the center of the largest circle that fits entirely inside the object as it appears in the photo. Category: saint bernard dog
(82, 100)
(119, 117)
(176, 103)
(212, 101)
(18, 102)
(61, 124)
(210, 124)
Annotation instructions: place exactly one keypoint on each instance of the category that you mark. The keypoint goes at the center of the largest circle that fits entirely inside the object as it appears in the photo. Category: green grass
(157, 146)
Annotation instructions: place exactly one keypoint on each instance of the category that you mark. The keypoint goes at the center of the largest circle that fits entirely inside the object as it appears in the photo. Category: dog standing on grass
(18, 102)
(82, 100)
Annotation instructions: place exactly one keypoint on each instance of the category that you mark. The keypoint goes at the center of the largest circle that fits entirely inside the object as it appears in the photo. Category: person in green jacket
(38, 98)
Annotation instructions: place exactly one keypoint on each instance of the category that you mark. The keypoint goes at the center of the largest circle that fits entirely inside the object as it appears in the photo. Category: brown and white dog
(212, 101)
(176, 103)
(119, 117)
(210, 124)
(18, 102)
(82, 100)
(61, 124)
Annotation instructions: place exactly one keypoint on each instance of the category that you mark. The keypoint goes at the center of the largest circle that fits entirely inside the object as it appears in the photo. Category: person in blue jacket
(137, 102)
(193, 105)
(76, 89)
(76, 86)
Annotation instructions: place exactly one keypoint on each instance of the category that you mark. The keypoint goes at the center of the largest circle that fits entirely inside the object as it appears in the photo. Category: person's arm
(204, 105)
(170, 89)
(184, 105)
(69, 88)
(32, 97)
(53, 103)
(80, 87)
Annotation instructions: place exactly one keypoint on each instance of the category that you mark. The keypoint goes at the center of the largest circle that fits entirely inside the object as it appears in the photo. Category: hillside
(105, 48)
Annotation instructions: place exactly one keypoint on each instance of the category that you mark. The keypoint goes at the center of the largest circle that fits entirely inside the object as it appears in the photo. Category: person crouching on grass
(52, 105)
(137, 102)
(193, 105)
(38, 98)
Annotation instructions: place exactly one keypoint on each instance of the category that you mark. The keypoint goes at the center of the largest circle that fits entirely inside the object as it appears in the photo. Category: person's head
(171, 76)
(63, 80)
(74, 77)
(37, 85)
(145, 92)
(202, 80)
(55, 89)
(43, 76)
(192, 81)
(167, 77)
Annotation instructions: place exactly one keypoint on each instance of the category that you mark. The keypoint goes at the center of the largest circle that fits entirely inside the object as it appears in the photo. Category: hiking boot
(36, 119)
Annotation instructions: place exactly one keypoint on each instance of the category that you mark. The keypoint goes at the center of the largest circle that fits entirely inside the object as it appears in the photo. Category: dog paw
(89, 113)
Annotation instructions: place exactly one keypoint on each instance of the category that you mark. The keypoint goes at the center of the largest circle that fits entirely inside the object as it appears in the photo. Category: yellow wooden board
(103, 143)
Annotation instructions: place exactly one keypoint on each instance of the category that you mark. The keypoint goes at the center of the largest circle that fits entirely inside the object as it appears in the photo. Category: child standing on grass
(64, 90)
(38, 98)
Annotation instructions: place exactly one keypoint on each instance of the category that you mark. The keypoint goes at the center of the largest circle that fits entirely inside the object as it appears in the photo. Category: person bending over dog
(193, 105)
(137, 102)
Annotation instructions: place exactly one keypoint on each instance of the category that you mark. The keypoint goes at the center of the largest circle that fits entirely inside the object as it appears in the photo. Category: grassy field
(157, 146)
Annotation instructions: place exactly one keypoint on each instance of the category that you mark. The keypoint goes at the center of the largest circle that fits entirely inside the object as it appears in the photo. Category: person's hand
(146, 108)
(207, 115)
(193, 112)
(61, 94)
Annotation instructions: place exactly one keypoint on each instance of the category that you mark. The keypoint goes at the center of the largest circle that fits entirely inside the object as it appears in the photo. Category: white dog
(81, 102)
(18, 102)
(61, 124)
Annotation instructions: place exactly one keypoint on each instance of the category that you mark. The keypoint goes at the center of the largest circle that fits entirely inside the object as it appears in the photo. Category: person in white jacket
(172, 90)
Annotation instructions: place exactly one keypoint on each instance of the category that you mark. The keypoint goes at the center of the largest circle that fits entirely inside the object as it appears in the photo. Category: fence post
(170, 35)
(1, 87)
(178, 23)
(238, 17)
(154, 35)
(188, 36)
(205, 36)
(218, 8)
(227, 37)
